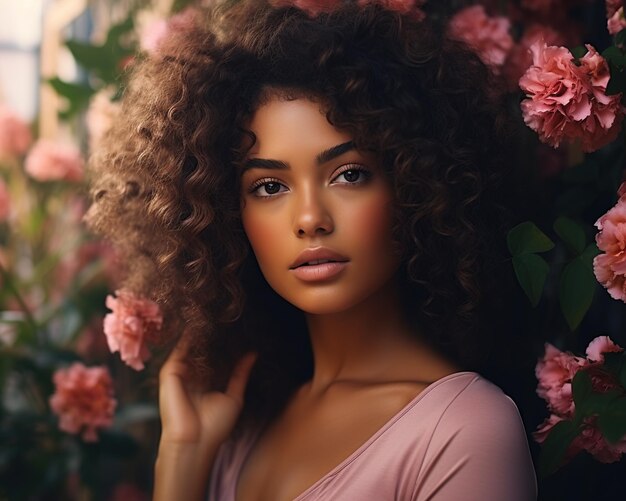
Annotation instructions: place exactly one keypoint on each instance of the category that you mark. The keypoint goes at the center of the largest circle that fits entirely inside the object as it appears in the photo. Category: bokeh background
(77, 423)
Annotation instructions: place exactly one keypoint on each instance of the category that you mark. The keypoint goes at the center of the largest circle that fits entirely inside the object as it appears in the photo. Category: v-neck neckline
(255, 436)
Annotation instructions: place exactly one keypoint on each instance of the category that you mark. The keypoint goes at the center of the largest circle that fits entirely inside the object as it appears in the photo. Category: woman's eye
(268, 189)
(352, 175)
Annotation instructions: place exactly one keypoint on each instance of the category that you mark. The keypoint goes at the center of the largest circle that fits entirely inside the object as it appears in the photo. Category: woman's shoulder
(470, 403)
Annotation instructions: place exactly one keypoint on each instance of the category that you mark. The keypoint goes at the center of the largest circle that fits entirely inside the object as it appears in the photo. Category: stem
(6, 278)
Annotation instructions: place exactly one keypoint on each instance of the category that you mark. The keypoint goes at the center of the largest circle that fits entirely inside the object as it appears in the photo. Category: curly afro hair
(166, 187)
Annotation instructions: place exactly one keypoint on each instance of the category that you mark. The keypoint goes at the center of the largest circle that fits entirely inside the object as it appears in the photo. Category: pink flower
(520, 57)
(156, 34)
(610, 267)
(311, 7)
(52, 161)
(543, 6)
(616, 22)
(5, 201)
(400, 6)
(100, 115)
(488, 36)
(566, 101)
(133, 323)
(612, 6)
(83, 400)
(555, 372)
(544, 429)
(15, 136)
(600, 345)
(592, 440)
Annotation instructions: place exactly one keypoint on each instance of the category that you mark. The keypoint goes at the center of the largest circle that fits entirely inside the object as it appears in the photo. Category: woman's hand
(194, 423)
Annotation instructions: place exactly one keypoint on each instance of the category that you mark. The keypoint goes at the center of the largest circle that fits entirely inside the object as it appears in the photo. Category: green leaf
(576, 288)
(614, 55)
(612, 423)
(571, 233)
(526, 237)
(617, 83)
(622, 372)
(77, 95)
(531, 271)
(556, 445)
(117, 31)
(579, 51)
(581, 388)
(589, 254)
(620, 39)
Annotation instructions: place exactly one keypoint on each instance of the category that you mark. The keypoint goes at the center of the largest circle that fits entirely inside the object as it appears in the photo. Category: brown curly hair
(166, 183)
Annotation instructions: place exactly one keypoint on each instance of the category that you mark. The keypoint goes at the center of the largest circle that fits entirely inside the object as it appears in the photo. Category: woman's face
(317, 212)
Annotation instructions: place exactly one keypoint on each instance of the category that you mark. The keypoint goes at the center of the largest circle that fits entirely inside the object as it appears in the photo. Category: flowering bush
(573, 388)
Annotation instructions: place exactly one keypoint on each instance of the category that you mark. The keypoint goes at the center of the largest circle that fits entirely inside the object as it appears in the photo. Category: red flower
(83, 400)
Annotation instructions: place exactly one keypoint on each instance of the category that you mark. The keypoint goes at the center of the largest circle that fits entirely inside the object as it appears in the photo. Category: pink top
(461, 438)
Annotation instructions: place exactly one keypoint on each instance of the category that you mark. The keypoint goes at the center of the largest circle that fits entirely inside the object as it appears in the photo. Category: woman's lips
(319, 272)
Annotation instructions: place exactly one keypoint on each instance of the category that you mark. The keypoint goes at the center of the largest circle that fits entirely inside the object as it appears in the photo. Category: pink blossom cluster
(155, 37)
(520, 58)
(566, 101)
(488, 36)
(53, 161)
(555, 372)
(133, 323)
(5, 201)
(610, 267)
(15, 135)
(316, 7)
(83, 400)
(615, 16)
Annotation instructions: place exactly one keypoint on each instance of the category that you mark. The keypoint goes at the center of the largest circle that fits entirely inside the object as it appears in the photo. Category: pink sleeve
(479, 451)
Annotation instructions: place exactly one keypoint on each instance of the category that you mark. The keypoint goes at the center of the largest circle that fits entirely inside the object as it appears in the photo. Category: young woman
(313, 198)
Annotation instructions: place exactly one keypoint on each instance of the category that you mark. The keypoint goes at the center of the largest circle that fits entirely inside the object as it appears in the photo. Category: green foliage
(524, 241)
(103, 62)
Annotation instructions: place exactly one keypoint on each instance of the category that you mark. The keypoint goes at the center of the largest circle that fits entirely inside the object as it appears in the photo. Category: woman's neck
(371, 342)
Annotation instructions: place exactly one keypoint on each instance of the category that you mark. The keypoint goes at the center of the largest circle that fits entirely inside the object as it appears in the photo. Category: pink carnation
(600, 345)
(544, 429)
(15, 136)
(592, 440)
(610, 267)
(612, 6)
(616, 22)
(100, 116)
(311, 7)
(52, 161)
(156, 34)
(83, 400)
(5, 201)
(133, 323)
(555, 372)
(566, 101)
(401, 6)
(520, 57)
(488, 36)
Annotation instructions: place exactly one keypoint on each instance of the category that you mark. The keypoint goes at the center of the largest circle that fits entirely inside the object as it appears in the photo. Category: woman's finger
(239, 378)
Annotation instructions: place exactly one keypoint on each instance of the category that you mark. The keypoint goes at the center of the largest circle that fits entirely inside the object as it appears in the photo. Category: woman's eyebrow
(321, 158)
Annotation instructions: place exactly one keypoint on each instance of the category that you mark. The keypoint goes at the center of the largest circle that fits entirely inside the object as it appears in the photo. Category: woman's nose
(312, 216)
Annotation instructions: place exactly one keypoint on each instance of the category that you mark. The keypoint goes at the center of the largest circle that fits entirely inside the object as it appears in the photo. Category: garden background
(78, 423)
